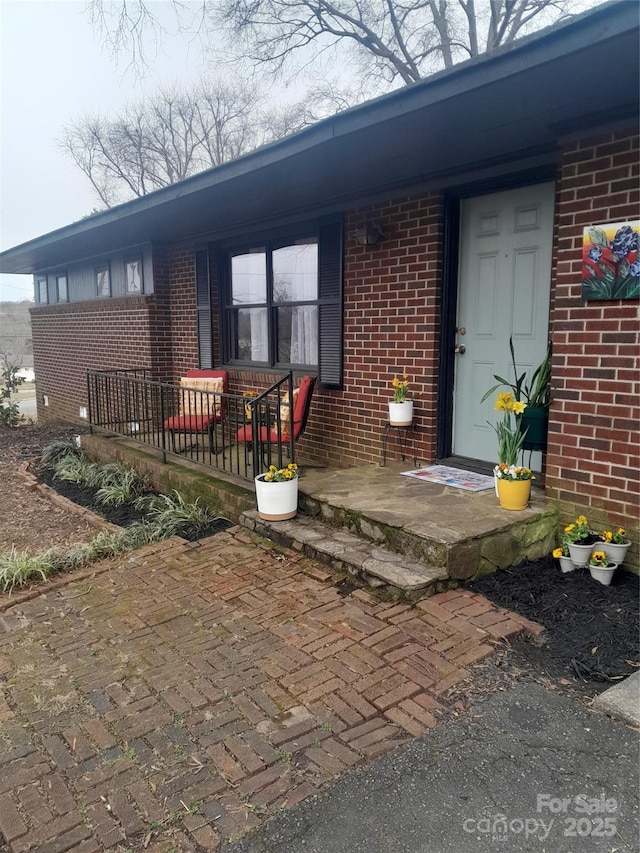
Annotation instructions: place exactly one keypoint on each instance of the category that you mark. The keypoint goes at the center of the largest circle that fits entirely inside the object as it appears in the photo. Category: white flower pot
(604, 574)
(566, 565)
(615, 552)
(401, 414)
(580, 554)
(276, 501)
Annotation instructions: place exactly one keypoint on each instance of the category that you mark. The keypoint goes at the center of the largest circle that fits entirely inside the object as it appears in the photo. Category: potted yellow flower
(616, 544)
(400, 408)
(581, 541)
(601, 568)
(277, 493)
(513, 481)
(562, 555)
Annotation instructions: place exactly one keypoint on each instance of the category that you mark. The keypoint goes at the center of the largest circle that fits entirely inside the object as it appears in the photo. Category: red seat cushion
(190, 423)
(246, 434)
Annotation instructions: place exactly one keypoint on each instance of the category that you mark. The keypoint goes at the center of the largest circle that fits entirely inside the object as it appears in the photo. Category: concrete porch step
(368, 563)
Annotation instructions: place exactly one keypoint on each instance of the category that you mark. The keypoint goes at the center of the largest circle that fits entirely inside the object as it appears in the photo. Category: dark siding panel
(203, 309)
(330, 292)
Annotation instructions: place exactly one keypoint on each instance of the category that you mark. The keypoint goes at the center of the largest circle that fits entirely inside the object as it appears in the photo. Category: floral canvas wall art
(611, 261)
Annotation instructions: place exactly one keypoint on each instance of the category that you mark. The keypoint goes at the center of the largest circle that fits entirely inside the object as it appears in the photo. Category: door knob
(460, 349)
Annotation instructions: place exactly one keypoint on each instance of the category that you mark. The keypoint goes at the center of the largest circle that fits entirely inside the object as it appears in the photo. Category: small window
(103, 282)
(43, 296)
(133, 275)
(62, 290)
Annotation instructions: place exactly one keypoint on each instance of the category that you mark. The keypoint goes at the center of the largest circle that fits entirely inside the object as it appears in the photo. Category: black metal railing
(234, 433)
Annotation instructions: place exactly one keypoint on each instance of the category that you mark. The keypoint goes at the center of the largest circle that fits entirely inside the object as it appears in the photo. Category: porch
(368, 524)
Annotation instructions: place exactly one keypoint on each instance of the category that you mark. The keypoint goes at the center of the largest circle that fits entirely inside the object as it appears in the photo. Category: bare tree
(393, 40)
(396, 40)
(172, 135)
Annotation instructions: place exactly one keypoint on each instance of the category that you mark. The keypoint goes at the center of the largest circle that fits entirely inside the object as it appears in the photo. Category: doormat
(442, 475)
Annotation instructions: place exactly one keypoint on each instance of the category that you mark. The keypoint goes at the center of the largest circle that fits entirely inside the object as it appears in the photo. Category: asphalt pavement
(528, 769)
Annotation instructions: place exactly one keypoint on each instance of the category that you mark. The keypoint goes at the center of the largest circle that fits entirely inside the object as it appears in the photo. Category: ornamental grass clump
(171, 515)
(17, 568)
(76, 469)
(127, 486)
(55, 451)
(281, 475)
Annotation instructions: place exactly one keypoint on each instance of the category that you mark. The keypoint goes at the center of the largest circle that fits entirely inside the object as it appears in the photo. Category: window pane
(249, 278)
(298, 335)
(253, 342)
(295, 273)
(62, 288)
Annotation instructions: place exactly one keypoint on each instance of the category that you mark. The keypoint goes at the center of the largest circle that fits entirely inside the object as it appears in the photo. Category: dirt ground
(592, 635)
(27, 520)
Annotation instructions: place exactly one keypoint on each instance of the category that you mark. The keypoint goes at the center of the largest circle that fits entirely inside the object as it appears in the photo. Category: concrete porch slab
(464, 532)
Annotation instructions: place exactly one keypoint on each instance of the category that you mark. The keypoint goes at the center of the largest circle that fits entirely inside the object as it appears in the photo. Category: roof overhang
(511, 107)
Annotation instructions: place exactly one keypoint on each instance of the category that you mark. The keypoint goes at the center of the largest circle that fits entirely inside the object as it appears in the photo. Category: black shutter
(203, 310)
(330, 305)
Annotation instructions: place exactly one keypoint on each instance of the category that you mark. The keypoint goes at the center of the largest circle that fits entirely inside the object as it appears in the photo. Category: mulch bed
(592, 631)
(123, 515)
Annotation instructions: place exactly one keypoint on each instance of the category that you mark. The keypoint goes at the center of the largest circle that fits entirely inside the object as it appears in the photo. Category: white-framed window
(62, 288)
(42, 291)
(103, 281)
(133, 275)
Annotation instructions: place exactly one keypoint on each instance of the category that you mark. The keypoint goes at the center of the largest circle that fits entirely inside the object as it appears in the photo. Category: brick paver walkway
(176, 697)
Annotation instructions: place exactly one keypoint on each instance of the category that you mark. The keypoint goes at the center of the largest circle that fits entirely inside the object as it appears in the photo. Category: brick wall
(100, 335)
(593, 462)
(177, 267)
(391, 326)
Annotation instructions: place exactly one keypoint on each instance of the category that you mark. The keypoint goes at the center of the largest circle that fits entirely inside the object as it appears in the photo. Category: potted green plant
(601, 568)
(513, 481)
(580, 541)
(277, 493)
(616, 544)
(400, 408)
(535, 394)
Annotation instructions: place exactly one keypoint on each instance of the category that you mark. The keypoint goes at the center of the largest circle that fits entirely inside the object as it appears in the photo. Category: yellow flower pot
(514, 494)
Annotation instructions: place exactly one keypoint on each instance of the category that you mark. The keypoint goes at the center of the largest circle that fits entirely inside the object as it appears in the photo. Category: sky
(53, 68)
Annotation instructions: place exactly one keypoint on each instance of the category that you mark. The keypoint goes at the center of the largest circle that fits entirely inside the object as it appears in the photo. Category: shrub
(122, 486)
(58, 450)
(171, 514)
(9, 412)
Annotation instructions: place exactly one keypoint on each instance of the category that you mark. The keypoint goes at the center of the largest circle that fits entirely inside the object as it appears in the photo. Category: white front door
(503, 290)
